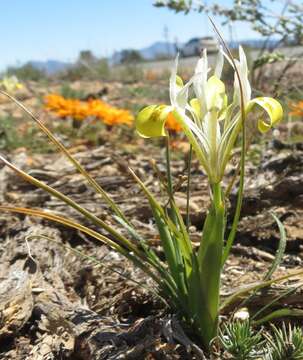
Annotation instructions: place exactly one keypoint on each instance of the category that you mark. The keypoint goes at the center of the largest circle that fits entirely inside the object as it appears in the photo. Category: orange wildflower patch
(297, 108)
(80, 110)
(109, 114)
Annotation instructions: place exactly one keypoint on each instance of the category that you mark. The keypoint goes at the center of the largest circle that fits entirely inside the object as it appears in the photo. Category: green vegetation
(26, 72)
(69, 93)
(285, 343)
(130, 57)
(241, 342)
(12, 137)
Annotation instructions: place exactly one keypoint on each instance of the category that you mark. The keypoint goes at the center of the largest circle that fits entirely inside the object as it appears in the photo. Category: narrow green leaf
(275, 300)
(233, 231)
(255, 286)
(170, 238)
(280, 251)
(171, 252)
(277, 260)
(151, 254)
(94, 219)
(98, 262)
(278, 314)
(115, 208)
(156, 205)
(72, 224)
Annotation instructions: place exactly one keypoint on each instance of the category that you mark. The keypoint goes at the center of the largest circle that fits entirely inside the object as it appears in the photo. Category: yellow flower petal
(215, 93)
(179, 81)
(195, 104)
(273, 109)
(150, 121)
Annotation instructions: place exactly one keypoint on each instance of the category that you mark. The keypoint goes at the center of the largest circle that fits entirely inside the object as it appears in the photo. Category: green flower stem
(210, 260)
(168, 169)
(170, 188)
(217, 195)
(190, 155)
(232, 234)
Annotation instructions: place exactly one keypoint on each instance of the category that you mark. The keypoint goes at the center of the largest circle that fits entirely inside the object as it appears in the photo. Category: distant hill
(50, 67)
(158, 49)
(167, 49)
(155, 51)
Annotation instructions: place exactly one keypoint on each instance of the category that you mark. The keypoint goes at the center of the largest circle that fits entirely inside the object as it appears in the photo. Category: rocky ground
(57, 304)
(64, 296)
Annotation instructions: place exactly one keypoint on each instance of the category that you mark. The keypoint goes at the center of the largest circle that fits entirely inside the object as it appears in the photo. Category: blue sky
(59, 29)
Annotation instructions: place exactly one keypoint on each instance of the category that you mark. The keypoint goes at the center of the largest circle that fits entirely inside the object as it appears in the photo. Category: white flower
(241, 315)
(210, 123)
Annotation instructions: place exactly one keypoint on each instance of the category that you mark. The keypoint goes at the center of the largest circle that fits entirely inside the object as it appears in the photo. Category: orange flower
(172, 123)
(80, 110)
(66, 107)
(297, 108)
(109, 114)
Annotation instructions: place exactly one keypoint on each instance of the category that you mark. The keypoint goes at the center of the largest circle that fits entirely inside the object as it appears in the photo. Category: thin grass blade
(72, 224)
(98, 262)
(280, 251)
(73, 160)
(255, 286)
(94, 219)
(275, 300)
(278, 314)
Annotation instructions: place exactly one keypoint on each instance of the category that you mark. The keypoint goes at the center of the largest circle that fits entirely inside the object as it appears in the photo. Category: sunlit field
(151, 207)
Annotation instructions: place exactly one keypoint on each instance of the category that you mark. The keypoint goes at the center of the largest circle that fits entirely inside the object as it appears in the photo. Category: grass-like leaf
(90, 216)
(94, 234)
(246, 289)
(73, 160)
(275, 264)
(280, 313)
(281, 249)
(97, 262)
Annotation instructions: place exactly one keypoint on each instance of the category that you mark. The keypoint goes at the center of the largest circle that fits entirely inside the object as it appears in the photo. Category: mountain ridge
(155, 51)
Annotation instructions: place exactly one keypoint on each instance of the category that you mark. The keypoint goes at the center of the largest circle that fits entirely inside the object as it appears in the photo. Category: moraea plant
(212, 126)
(188, 280)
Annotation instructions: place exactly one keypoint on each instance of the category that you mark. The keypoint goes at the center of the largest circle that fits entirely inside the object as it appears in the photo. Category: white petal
(244, 75)
(200, 82)
(173, 82)
(198, 133)
(182, 94)
(219, 63)
(202, 64)
(243, 61)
